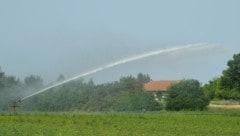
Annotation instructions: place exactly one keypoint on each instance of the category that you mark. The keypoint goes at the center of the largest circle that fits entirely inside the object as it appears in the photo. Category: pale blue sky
(52, 37)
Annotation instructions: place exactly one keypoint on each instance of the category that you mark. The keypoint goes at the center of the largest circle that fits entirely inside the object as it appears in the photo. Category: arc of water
(123, 61)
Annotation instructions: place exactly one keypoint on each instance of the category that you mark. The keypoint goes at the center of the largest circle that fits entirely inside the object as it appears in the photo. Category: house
(159, 88)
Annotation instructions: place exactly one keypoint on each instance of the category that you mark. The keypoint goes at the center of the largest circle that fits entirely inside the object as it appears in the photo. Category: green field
(212, 123)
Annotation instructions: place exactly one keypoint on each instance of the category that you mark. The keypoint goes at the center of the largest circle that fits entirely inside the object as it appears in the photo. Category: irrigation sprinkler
(14, 105)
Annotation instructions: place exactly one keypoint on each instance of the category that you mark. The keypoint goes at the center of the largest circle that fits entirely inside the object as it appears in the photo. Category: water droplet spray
(120, 62)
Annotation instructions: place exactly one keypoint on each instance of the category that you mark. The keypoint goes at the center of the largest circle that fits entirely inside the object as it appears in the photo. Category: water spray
(123, 61)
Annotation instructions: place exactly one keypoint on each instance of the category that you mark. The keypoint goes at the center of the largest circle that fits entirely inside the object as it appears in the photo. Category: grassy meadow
(214, 122)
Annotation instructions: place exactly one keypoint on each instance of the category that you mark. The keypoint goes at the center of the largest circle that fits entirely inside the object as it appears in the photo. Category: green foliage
(9, 90)
(124, 95)
(186, 95)
(8, 81)
(231, 76)
(62, 98)
(130, 83)
(213, 89)
(144, 78)
(228, 85)
(228, 93)
(33, 82)
(230, 80)
(60, 78)
(139, 101)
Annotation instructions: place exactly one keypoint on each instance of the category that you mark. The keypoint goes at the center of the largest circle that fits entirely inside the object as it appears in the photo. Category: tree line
(126, 94)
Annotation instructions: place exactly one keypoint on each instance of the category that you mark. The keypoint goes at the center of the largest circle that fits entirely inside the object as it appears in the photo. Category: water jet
(120, 62)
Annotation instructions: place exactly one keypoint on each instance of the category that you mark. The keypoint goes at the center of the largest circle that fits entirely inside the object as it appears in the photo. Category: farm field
(214, 122)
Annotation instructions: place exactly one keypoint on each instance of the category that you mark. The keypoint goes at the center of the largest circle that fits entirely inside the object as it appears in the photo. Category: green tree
(228, 85)
(60, 78)
(213, 89)
(33, 82)
(144, 78)
(186, 95)
(8, 81)
(231, 76)
(130, 83)
(1, 78)
(9, 90)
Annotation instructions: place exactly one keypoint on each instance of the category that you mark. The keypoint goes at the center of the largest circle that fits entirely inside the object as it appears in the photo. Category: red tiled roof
(161, 85)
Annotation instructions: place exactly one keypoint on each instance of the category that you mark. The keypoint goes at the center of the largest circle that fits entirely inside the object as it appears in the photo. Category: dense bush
(186, 95)
(139, 101)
